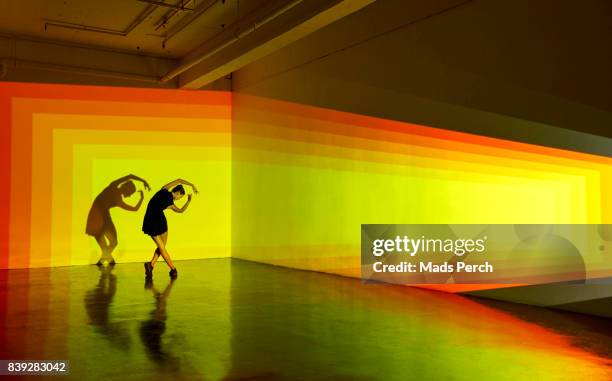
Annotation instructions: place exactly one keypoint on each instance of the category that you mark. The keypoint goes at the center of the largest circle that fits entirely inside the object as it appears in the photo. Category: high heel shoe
(173, 273)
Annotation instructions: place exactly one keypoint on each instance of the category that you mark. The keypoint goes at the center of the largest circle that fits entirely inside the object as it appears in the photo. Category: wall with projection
(280, 183)
(304, 179)
(64, 146)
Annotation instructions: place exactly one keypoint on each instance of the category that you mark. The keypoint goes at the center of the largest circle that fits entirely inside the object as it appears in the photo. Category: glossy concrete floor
(228, 319)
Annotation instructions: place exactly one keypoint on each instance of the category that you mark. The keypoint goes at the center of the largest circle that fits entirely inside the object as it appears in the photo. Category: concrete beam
(32, 60)
(258, 35)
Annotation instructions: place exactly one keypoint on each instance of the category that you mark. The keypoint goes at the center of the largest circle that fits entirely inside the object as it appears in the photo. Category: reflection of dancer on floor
(155, 223)
(99, 222)
(98, 303)
(151, 331)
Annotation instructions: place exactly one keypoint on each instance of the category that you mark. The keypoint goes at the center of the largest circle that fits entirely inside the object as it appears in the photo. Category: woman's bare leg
(155, 256)
(162, 250)
(103, 247)
(156, 253)
(111, 236)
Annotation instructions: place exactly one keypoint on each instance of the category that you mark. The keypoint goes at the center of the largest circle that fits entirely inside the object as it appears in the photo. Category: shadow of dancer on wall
(99, 222)
(97, 304)
(152, 330)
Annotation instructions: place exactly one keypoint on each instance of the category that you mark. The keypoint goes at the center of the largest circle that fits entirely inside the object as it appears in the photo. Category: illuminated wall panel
(305, 178)
(280, 183)
(65, 144)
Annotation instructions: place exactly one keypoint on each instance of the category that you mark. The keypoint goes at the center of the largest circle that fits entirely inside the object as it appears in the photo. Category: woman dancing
(155, 223)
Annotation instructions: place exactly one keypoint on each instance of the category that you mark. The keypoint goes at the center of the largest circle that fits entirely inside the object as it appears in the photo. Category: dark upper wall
(511, 69)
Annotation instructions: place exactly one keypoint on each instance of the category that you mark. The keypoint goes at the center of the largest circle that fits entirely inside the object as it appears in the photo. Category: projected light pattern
(62, 145)
(281, 183)
(305, 178)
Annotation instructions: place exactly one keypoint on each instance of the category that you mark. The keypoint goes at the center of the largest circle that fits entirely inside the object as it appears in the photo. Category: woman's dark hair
(179, 188)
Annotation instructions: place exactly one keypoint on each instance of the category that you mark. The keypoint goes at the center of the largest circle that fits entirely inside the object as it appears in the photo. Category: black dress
(154, 220)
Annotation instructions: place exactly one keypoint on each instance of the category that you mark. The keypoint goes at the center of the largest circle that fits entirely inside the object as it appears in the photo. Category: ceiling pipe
(163, 22)
(90, 28)
(236, 36)
(141, 17)
(19, 63)
(83, 27)
(16, 38)
(187, 20)
(180, 7)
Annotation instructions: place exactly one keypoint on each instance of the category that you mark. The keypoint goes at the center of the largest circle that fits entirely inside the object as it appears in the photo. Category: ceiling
(164, 32)
(196, 41)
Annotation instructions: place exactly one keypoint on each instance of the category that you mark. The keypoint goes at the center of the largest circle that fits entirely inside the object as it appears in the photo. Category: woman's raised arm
(130, 177)
(176, 182)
